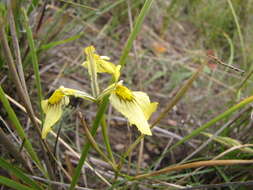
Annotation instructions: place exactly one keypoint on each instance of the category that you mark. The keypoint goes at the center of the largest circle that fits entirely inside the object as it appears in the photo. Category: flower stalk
(93, 142)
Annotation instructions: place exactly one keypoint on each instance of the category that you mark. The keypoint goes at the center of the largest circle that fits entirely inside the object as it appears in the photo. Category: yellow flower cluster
(134, 105)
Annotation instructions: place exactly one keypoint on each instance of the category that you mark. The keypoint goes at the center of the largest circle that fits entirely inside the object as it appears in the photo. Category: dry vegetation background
(176, 37)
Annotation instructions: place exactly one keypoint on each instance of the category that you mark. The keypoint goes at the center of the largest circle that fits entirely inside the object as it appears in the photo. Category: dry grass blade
(16, 46)
(194, 165)
(179, 95)
(229, 184)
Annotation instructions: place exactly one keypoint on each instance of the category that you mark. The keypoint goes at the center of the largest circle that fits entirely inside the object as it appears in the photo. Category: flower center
(124, 93)
(56, 97)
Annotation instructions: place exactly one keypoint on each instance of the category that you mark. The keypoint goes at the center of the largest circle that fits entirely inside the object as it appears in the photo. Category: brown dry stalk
(193, 165)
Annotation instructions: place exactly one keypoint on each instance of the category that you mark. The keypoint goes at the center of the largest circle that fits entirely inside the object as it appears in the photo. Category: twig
(212, 186)
(193, 165)
(16, 46)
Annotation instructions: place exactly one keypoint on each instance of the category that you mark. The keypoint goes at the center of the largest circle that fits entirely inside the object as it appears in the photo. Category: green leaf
(12, 116)
(60, 42)
(13, 184)
(34, 57)
(19, 173)
(224, 115)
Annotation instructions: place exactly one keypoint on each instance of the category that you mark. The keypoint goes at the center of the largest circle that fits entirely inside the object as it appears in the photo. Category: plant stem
(106, 139)
(85, 150)
(93, 142)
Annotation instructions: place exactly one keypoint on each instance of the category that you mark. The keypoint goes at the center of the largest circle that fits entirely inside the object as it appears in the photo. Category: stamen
(124, 93)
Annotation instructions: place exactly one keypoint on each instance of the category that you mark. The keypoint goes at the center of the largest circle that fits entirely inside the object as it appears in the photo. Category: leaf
(229, 142)
(19, 173)
(13, 184)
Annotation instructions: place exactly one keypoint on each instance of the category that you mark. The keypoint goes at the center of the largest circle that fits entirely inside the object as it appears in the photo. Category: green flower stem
(85, 150)
(93, 142)
(106, 139)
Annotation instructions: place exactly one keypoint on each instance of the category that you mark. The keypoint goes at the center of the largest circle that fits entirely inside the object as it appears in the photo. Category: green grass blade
(33, 5)
(144, 11)
(19, 129)
(13, 184)
(50, 45)
(239, 32)
(213, 121)
(34, 57)
(19, 173)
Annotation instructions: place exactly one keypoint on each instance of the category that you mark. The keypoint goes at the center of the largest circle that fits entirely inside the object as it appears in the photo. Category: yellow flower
(102, 64)
(52, 107)
(134, 105)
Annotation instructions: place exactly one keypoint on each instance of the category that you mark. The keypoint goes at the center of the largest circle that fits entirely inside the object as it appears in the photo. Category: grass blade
(34, 57)
(239, 33)
(213, 121)
(10, 147)
(18, 173)
(13, 184)
(194, 165)
(19, 128)
(144, 11)
(50, 45)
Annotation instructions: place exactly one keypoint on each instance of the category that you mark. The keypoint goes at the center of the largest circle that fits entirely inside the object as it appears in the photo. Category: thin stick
(16, 46)
(193, 165)
(140, 157)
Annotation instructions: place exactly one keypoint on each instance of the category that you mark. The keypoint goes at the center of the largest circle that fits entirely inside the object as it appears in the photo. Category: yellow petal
(91, 62)
(105, 66)
(89, 49)
(143, 101)
(100, 63)
(44, 105)
(77, 93)
(117, 72)
(56, 97)
(53, 114)
(132, 111)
